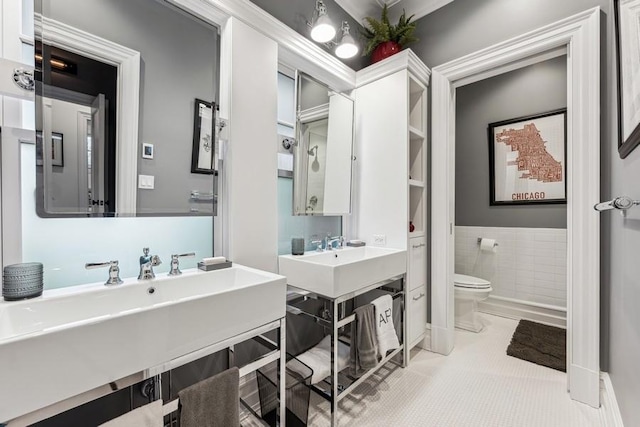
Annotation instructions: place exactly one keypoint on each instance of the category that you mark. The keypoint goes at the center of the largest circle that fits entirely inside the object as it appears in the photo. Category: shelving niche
(391, 137)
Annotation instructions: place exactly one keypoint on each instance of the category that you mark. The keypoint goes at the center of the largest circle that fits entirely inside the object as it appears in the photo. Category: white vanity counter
(72, 340)
(339, 272)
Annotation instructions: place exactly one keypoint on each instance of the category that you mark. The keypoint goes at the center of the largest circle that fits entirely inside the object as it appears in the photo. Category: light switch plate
(146, 182)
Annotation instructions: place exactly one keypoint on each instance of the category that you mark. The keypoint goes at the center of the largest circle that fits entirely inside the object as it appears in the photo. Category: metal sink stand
(336, 320)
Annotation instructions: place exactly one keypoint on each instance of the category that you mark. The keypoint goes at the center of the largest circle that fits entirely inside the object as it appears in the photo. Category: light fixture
(347, 47)
(322, 29)
(59, 64)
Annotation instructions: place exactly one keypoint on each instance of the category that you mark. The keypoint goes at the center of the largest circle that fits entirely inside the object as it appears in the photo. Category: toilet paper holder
(480, 240)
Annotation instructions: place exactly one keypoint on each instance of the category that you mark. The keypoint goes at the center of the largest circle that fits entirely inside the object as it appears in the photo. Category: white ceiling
(361, 8)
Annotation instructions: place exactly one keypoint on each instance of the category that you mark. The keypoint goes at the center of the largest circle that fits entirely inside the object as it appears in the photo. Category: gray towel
(212, 402)
(364, 347)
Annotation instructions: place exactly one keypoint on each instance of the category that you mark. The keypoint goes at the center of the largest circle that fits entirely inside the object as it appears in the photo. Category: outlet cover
(379, 240)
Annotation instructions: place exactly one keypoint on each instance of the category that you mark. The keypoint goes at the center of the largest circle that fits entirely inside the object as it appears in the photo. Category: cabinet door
(417, 314)
(417, 263)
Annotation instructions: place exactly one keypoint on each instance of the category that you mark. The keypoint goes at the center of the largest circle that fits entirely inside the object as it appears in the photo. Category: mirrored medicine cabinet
(125, 109)
(323, 156)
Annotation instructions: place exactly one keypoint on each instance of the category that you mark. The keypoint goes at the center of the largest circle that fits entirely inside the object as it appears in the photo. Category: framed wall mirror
(323, 157)
(124, 92)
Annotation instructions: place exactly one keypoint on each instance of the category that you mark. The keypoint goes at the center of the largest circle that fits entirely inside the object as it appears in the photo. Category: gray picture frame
(627, 60)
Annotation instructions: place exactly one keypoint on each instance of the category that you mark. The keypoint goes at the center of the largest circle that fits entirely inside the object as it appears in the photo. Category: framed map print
(527, 159)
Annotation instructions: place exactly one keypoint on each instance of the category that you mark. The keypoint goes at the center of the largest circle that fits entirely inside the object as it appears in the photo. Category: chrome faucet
(332, 240)
(114, 271)
(147, 262)
(318, 244)
(175, 263)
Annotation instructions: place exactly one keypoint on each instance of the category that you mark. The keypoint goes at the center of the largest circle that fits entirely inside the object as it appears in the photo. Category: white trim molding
(580, 35)
(360, 9)
(294, 50)
(127, 62)
(405, 60)
(517, 309)
(612, 415)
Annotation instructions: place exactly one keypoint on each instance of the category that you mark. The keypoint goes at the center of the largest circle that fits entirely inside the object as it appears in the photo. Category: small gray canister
(297, 246)
(20, 281)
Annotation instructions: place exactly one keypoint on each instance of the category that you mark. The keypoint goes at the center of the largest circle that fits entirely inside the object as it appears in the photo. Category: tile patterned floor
(477, 385)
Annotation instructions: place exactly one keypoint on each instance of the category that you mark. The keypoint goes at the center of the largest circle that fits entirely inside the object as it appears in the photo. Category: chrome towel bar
(622, 203)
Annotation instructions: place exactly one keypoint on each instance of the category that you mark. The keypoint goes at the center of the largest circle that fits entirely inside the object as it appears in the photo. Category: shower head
(315, 166)
(311, 151)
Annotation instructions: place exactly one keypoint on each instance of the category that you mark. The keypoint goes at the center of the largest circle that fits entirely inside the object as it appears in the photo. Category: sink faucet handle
(175, 263)
(114, 271)
(318, 243)
(338, 239)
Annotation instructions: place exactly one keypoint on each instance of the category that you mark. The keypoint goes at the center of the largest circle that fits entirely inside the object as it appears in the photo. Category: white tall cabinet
(390, 179)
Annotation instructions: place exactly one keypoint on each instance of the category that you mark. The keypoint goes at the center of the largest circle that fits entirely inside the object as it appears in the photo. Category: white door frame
(127, 61)
(579, 37)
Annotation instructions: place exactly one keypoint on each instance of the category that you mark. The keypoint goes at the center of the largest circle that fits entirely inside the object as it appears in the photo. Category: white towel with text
(385, 331)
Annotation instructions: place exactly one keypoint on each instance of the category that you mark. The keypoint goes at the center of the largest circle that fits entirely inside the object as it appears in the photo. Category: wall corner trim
(612, 415)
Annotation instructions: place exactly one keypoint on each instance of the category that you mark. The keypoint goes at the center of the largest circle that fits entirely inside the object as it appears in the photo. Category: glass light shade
(347, 47)
(323, 30)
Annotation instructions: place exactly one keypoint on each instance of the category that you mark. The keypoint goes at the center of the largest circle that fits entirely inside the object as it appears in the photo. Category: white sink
(72, 340)
(340, 272)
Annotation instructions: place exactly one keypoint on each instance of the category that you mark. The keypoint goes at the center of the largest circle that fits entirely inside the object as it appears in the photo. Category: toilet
(468, 291)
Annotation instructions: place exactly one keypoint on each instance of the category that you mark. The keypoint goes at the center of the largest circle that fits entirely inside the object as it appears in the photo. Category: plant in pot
(385, 39)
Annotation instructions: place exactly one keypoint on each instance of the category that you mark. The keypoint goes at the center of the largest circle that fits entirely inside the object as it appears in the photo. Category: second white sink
(339, 272)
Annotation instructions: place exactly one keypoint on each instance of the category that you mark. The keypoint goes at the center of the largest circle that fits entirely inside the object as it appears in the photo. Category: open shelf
(417, 115)
(416, 208)
(416, 159)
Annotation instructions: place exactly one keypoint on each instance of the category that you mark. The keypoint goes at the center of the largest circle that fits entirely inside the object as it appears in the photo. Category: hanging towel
(145, 416)
(318, 359)
(385, 332)
(212, 402)
(364, 348)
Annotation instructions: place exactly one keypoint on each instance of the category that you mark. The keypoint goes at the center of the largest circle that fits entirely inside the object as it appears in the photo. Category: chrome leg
(282, 374)
(405, 329)
(334, 365)
(231, 357)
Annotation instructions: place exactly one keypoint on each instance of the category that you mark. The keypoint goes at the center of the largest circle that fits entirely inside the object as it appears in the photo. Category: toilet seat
(470, 282)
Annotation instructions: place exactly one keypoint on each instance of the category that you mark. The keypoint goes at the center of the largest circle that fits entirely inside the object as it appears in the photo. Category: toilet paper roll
(488, 245)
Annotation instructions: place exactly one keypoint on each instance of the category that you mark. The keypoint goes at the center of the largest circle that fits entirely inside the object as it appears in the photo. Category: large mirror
(323, 157)
(125, 109)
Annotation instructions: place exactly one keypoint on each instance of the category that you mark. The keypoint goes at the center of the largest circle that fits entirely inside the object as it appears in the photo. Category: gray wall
(295, 14)
(465, 26)
(179, 63)
(535, 89)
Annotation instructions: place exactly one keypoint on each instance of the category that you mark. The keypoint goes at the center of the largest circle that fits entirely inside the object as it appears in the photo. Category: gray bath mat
(541, 344)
